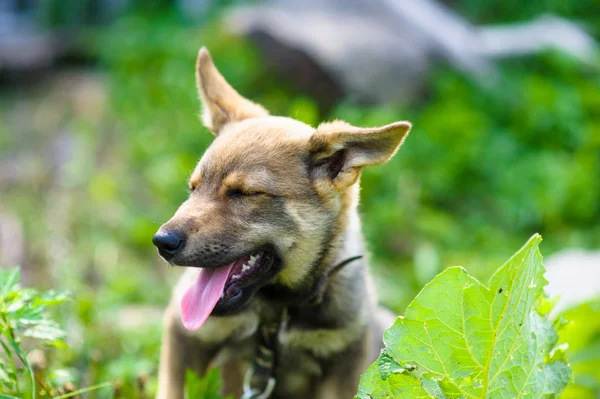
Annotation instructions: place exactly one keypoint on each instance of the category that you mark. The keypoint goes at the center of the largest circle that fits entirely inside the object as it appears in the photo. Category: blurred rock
(574, 275)
(545, 32)
(302, 69)
(382, 50)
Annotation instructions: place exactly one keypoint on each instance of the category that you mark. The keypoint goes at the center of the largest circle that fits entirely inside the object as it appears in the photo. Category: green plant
(579, 331)
(207, 387)
(462, 339)
(24, 327)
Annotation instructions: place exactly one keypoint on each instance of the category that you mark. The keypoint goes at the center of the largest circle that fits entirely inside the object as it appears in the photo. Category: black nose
(168, 243)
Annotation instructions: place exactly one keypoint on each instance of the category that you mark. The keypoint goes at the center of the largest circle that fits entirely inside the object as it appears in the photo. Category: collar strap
(318, 290)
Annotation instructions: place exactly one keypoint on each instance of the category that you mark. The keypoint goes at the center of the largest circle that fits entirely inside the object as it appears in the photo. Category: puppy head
(267, 199)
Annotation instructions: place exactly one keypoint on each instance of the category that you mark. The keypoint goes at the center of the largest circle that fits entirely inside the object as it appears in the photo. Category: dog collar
(315, 296)
(259, 381)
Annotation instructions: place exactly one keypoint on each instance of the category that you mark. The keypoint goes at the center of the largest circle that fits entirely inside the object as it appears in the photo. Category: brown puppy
(271, 233)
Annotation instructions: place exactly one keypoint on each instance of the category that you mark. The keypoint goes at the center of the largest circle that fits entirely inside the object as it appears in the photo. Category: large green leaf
(468, 340)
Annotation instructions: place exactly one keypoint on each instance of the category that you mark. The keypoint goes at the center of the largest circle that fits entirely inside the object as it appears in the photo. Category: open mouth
(223, 290)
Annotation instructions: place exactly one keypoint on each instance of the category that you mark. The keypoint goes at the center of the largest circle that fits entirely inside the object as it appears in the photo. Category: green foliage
(467, 339)
(583, 11)
(482, 167)
(23, 315)
(579, 331)
(25, 326)
(207, 387)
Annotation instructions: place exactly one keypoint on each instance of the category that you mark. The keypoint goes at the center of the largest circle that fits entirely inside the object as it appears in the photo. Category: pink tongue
(201, 298)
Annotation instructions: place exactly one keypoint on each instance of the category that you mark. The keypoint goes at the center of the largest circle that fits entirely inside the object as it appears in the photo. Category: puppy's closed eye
(239, 193)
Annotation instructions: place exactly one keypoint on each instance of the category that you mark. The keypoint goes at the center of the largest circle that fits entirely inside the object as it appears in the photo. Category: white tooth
(222, 294)
(245, 267)
(236, 276)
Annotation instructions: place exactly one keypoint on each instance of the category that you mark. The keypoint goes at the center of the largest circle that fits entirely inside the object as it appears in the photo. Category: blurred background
(99, 131)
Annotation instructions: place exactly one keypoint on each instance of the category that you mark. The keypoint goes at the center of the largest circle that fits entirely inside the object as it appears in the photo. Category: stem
(13, 365)
(26, 363)
(83, 390)
(43, 385)
(13, 342)
(8, 352)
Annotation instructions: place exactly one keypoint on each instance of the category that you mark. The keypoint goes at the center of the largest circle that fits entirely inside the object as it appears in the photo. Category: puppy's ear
(339, 151)
(221, 104)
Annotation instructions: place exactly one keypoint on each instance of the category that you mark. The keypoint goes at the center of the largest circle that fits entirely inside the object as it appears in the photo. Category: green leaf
(26, 314)
(4, 373)
(475, 341)
(431, 383)
(369, 382)
(48, 330)
(60, 377)
(207, 387)
(404, 386)
(58, 344)
(397, 386)
(9, 279)
(388, 366)
(580, 333)
(52, 298)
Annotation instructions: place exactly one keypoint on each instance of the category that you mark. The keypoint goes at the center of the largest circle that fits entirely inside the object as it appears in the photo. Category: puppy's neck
(346, 297)
(344, 240)
(346, 235)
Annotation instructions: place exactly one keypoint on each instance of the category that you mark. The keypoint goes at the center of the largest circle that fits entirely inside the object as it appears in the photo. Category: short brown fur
(275, 181)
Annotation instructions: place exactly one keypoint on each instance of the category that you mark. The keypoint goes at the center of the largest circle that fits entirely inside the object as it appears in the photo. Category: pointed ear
(221, 104)
(339, 151)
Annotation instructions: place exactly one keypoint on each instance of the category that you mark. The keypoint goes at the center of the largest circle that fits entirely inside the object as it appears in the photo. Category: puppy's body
(276, 187)
(322, 350)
